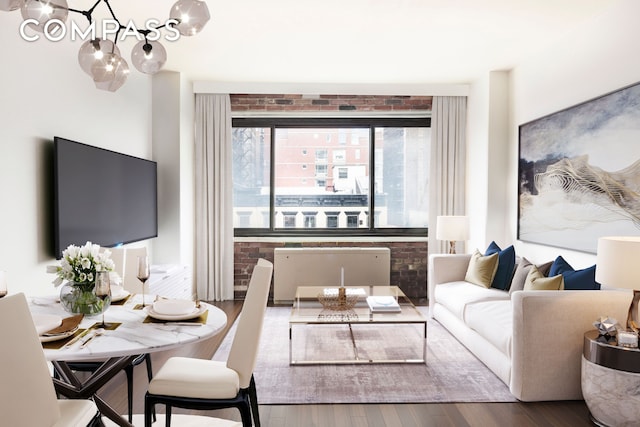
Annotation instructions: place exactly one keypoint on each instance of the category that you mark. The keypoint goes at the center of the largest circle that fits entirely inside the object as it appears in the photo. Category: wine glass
(3, 284)
(103, 291)
(143, 272)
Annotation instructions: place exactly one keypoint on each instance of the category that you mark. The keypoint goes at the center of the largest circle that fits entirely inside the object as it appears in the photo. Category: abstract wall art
(579, 173)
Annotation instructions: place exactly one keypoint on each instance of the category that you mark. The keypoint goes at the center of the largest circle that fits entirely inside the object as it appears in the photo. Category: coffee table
(308, 311)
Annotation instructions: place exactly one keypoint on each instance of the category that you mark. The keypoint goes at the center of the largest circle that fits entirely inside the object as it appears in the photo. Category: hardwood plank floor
(521, 414)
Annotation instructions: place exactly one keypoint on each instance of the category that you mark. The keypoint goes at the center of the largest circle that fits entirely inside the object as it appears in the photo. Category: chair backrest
(27, 395)
(130, 279)
(244, 349)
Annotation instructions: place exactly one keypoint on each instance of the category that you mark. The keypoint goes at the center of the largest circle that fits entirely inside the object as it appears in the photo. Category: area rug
(451, 374)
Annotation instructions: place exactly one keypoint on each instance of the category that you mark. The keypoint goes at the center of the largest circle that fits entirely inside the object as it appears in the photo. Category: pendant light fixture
(99, 57)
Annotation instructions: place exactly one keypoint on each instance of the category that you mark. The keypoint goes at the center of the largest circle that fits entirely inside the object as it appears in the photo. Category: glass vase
(81, 299)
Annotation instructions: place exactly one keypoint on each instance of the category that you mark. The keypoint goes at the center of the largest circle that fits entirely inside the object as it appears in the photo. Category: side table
(610, 381)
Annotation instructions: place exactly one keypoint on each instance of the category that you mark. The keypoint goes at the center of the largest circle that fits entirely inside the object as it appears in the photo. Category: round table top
(133, 336)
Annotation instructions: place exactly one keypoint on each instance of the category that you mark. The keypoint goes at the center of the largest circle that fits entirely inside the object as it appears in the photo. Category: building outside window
(382, 174)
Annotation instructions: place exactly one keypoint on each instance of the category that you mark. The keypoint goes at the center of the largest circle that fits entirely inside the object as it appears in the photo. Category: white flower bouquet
(78, 267)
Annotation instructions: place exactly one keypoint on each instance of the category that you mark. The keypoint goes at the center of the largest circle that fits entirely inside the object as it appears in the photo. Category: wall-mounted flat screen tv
(102, 196)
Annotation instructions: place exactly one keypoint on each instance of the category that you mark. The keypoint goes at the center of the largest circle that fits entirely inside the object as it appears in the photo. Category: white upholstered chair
(206, 384)
(27, 394)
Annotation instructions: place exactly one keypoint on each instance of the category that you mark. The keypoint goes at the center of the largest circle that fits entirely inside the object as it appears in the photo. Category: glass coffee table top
(308, 306)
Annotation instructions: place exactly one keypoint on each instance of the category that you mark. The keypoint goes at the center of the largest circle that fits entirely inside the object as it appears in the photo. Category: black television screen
(102, 196)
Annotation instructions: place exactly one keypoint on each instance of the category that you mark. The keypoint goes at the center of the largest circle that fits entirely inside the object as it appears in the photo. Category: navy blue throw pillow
(506, 264)
(584, 279)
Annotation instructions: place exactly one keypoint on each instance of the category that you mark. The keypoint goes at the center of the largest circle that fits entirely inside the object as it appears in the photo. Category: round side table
(610, 381)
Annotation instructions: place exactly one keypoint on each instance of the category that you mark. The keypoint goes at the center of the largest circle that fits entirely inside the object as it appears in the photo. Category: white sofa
(532, 340)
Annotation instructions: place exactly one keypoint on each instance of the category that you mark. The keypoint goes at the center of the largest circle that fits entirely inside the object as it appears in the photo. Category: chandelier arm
(113, 15)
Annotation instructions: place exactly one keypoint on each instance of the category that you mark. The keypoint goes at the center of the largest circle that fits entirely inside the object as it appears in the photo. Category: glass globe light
(192, 15)
(43, 11)
(148, 56)
(94, 50)
(110, 73)
(9, 5)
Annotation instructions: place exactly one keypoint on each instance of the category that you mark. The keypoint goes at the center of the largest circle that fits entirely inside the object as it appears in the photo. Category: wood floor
(548, 414)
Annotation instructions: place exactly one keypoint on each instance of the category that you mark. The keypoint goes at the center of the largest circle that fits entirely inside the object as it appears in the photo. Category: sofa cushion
(523, 268)
(584, 279)
(493, 320)
(535, 281)
(456, 295)
(506, 264)
(482, 269)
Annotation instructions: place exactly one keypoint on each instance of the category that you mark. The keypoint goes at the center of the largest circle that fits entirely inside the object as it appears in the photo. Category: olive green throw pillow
(482, 269)
(536, 281)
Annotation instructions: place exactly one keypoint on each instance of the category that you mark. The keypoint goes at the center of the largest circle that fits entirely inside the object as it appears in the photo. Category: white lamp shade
(618, 262)
(452, 227)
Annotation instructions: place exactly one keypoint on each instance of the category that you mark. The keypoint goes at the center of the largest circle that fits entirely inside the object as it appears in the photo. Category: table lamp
(452, 228)
(618, 266)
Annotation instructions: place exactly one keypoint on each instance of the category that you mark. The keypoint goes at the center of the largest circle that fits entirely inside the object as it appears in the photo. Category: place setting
(176, 311)
(54, 331)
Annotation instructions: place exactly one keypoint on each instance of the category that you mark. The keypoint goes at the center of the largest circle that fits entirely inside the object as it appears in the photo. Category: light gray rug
(451, 374)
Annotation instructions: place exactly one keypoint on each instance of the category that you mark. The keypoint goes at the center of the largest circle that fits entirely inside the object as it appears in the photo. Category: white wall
(173, 148)
(487, 159)
(44, 94)
(596, 59)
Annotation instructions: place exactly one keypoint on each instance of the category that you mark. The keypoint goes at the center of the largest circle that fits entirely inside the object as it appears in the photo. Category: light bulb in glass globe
(192, 15)
(94, 50)
(111, 74)
(43, 11)
(148, 56)
(9, 5)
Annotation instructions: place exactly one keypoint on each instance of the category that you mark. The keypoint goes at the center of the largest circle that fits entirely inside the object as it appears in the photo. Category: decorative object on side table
(79, 266)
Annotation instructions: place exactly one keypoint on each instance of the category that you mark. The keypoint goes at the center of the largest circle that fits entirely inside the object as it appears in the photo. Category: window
(371, 175)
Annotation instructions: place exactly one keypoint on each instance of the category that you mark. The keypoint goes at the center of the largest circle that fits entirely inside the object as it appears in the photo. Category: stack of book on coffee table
(383, 304)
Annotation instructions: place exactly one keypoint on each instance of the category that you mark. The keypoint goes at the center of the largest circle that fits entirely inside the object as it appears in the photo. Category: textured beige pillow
(536, 281)
(522, 270)
(482, 269)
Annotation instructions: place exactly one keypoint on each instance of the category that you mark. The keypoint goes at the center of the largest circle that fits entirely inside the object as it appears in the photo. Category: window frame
(331, 123)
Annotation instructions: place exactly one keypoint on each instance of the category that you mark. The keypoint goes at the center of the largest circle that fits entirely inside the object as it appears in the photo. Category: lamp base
(452, 247)
(632, 318)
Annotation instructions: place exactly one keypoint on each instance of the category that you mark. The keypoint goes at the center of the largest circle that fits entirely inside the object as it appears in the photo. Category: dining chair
(206, 384)
(27, 394)
(126, 265)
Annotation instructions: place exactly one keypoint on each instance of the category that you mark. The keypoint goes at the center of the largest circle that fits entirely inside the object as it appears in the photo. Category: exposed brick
(412, 281)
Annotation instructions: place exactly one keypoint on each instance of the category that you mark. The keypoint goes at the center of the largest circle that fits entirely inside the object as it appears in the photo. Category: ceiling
(373, 41)
(360, 41)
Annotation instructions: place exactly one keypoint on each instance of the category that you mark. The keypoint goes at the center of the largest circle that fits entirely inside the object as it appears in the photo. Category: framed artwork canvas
(579, 173)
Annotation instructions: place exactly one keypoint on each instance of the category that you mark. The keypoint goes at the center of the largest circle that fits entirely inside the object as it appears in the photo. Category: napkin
(174, 307)
(68, 324)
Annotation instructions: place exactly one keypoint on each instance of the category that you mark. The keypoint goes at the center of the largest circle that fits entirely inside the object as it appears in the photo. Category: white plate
(174, 307)
(196, 313)
(46, 322)
(58, 337)
(118, 293)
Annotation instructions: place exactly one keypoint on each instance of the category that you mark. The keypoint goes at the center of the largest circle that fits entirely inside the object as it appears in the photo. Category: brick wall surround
(316, 103)
(408, 262)
(408, 259)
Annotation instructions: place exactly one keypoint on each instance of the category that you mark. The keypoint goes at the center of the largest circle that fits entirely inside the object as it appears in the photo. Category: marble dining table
(133, 332)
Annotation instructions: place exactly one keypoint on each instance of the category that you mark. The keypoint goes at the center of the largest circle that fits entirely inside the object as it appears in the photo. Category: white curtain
(447, 170)
(214, 203)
